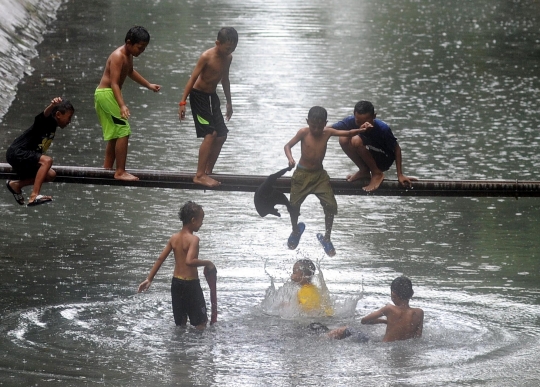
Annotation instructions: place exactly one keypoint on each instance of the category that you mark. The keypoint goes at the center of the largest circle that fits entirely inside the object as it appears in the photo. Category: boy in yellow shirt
(309, 296)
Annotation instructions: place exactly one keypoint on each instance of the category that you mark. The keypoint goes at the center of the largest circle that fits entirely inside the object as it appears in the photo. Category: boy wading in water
(110, 107)
(187, 296)
(309, 177)
(212, 68)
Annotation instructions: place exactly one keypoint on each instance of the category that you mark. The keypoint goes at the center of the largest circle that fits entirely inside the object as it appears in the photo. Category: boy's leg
(110, 154)
(350, 150)
(214, 154)
(377, 176)
(120, 151)
(205, 152)
(44, 174)
(328, 223)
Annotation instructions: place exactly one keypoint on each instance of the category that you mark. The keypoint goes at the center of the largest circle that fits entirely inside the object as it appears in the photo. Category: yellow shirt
(310, 300)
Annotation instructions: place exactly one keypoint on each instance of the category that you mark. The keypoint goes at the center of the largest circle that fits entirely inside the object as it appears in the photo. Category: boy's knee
(51, 174)
(345, 141)
(46, 161)
(357, 142)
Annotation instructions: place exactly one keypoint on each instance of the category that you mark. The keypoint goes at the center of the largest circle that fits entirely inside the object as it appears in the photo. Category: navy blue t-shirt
(380, 136)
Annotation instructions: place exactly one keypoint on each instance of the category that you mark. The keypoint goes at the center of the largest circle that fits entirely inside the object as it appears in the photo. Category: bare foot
(125, 176)
(358, 175)
(206, 180)
(375, 182)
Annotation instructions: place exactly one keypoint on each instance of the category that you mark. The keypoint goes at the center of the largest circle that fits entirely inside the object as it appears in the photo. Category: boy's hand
(292, 163)
(55, 101)
(182, 112)
(155, 88)
(365, 126)
(144, 285)
(229, 112)
(124, 112)
(405, 181)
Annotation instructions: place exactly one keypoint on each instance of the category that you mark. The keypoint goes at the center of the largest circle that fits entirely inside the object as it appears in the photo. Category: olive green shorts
(317, 182)
(108, 111)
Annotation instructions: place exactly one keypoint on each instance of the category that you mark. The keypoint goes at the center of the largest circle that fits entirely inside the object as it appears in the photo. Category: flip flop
(294, 239)
(19, 198)
(327, 245)
(40, 199)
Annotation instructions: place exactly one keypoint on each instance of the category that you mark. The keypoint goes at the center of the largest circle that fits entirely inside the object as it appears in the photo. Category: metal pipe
(249, 183)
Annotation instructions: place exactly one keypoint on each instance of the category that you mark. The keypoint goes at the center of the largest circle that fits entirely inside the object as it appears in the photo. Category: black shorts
(188, 301)
(24, 163)
(206, 111)
(383, 160)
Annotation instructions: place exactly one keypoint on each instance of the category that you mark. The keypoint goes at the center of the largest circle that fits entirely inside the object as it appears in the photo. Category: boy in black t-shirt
(26, 153)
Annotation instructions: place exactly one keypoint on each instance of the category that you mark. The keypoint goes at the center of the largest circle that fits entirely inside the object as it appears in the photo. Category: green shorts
(305, 181)
(108, 111)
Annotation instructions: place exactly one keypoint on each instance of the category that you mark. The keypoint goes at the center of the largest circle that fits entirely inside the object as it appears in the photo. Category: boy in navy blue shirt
(374, 150)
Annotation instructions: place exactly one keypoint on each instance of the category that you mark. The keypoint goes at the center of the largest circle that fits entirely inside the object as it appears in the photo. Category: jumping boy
(374, 150)
(186, 292)
(211, 68)
(310, 177)
(402, 321)
(26, 153)
(110, 107)
(309, 296)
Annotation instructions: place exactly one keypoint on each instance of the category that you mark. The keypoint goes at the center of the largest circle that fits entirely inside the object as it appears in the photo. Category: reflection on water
(460, 91)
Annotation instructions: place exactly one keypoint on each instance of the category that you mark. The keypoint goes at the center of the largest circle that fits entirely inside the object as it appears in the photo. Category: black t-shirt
(39, 136)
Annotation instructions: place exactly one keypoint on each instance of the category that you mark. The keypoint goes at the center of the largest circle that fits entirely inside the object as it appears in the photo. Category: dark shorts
(206, 111)
(383, 161)
(24, 163)
(188, 301)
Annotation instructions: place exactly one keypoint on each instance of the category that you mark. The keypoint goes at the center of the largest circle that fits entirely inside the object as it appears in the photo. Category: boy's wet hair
(189, 211)
(63, 107)
(317, 113)
(227, 34)
(364, 107)
(402, 287)
(137, 34)
(306, 266)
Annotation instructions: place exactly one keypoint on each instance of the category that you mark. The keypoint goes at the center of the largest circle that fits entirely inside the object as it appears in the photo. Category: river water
(457, 81)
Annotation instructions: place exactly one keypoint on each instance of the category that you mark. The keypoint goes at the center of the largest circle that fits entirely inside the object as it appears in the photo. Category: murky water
(458, 83)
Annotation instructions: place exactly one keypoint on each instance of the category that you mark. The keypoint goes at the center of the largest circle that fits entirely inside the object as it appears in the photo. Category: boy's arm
(134, 75)
(403, 180)
(227, 90)
(375, 317)
(54, 102)
(344, 133)
(192, 256)
(148, 281)
(115, 73)
(298, 137)
(189, 85)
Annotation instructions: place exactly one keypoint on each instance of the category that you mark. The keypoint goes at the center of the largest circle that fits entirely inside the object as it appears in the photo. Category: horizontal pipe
(249, 183)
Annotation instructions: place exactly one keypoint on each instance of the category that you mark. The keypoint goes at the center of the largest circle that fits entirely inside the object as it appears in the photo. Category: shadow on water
(461, 93)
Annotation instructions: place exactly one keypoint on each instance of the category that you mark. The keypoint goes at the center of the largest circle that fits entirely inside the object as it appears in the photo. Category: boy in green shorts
(310, 177)
(110, 107)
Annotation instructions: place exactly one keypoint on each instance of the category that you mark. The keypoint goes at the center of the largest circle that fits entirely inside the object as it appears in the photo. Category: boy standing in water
(186, 292)
(110, 107)
(310, 177)
(212, 68)
(402, 321)
(26, 153)
(374, 150)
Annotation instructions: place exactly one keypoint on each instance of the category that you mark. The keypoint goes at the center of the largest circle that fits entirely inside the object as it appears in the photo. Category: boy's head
(137, 34)
(137, 38)
(62, 113)
(227, 40)
(364, 111)
(402, 287)
(303, 271)
(317, 118)
(191, 214)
